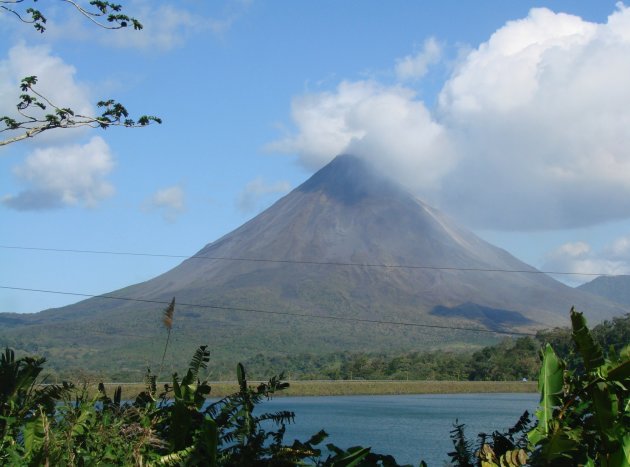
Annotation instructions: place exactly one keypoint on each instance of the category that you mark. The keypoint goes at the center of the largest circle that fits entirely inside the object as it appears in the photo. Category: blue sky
(512, 117)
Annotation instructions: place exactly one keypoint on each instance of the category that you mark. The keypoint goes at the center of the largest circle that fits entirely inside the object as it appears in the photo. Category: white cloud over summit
(530, 131)
(384, 124)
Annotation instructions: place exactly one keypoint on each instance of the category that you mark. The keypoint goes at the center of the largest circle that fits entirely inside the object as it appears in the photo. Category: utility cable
(270, 312)
(289, 261)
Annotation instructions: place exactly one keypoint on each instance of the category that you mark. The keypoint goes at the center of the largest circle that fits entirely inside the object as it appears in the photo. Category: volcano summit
(317, 270)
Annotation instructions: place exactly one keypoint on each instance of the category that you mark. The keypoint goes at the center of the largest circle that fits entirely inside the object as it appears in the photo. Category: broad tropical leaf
(550, 384)
(590, 351)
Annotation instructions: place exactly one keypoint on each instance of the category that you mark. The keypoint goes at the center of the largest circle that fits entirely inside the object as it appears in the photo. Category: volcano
(337, 264)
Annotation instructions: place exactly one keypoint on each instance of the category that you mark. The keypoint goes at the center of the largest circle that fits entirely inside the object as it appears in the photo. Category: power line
(270, 312)
(289, 261)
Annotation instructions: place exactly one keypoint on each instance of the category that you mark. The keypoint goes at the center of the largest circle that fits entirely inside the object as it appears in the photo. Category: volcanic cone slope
(346, 248)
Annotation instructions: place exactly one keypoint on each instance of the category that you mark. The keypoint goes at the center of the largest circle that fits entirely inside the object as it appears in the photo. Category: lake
(409, 427)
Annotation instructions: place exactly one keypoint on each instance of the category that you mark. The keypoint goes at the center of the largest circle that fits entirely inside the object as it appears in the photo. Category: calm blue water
(410, 427)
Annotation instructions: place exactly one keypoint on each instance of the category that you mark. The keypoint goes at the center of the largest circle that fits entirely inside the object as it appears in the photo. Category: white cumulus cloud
(170, 201)
(530, 130)
(619, 249)
(61, 176)
(166, 25)
(385, 124)
(415, 66)
(540, 115)
(583, 262)
(56, 81)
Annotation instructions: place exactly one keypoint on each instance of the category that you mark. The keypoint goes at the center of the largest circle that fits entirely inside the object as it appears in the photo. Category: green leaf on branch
(590, 351)
(550, 384)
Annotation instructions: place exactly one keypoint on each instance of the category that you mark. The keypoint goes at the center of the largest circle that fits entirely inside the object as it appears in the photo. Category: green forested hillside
(508, 360)
(615, 288)
(505, 360)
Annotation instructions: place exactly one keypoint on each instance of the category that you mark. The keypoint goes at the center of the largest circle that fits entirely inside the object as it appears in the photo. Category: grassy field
(348, 388)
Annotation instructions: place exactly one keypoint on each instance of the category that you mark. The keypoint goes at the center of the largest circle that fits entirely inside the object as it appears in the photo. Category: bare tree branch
(106, 15)
(39, 114)
(36, 112)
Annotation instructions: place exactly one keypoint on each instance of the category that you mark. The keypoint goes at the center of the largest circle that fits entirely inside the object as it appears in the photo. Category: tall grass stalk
(167, 319)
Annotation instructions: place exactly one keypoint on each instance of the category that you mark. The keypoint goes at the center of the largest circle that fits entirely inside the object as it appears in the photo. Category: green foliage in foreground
(175, 427)
(583, 419)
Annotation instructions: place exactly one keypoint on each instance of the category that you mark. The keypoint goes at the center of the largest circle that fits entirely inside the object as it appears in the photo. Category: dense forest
(509, 360)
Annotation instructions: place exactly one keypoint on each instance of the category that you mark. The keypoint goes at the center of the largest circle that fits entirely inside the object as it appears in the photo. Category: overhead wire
(275, 312)
(311, 262)
(282, 261)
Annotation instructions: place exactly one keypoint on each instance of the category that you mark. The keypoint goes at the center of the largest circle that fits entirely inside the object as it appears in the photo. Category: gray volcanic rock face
(615, 288)
(348, 213)
(347, 243)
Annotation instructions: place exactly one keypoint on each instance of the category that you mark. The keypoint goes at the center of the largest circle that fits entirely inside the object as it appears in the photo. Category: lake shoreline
(299, 388)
